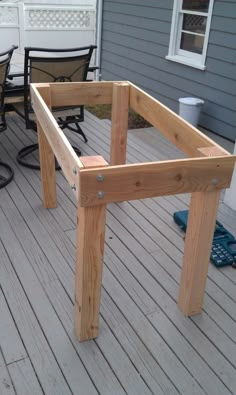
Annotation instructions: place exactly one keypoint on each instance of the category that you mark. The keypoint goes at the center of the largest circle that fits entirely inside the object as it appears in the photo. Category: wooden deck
(145, 346)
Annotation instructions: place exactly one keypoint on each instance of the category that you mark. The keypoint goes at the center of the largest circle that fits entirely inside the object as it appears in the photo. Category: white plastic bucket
(190, 108)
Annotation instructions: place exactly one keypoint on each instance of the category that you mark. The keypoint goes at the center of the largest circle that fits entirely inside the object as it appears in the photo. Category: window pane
(194, 23)
(192, 43)
(196, 5)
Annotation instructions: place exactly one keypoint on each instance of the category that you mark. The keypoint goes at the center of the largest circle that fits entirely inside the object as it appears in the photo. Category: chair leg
(24, 152)
(78, 130)
(5, 180)
(30, 149)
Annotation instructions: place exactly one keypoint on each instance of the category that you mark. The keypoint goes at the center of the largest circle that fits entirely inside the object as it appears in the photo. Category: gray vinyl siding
(135, 41)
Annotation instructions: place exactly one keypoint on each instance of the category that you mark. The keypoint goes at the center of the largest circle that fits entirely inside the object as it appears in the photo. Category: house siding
(135, 41)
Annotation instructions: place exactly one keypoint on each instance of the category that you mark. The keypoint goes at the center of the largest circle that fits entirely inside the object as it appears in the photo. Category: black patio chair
(7, 173)
(53, 65)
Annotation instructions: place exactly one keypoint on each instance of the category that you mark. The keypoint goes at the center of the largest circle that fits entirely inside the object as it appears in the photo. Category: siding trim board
(135, 41)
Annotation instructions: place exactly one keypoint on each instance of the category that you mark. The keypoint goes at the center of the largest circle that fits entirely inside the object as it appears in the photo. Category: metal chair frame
(69, 122)
(5, 61)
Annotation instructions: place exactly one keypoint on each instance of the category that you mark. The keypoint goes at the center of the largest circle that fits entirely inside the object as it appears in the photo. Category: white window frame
(182, 56)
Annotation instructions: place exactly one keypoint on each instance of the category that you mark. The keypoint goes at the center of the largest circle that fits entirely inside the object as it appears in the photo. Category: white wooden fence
(47, 25)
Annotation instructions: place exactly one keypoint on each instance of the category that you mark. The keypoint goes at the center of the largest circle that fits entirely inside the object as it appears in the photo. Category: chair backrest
(54, 65)
(5, 58)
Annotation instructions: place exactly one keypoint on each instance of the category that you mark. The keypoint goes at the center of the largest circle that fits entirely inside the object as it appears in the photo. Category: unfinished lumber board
(119, 125)
(176, 129)
(61, 147)
(139, 181)
(212, 151)
(198, 241)
(30, 180)
(47, 160)
(89, 265)
(78, 93)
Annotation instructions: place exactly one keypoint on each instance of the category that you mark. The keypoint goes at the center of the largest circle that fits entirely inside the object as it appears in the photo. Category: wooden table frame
(95, 183)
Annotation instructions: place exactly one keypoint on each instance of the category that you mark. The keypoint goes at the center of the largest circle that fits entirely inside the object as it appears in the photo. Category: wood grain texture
(198, 241)
(47, 160)
(78, 93)
(212, 151)
(93, 161)
(119, 123)
(61, 147)
(139, 181)
(181, 133)
(89, 265)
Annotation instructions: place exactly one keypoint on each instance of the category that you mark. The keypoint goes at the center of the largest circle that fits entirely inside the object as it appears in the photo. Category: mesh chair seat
(57, 113)
(47, 66)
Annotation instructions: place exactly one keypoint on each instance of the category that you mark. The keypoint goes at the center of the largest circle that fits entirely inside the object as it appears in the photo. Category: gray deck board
(6, 386)
(43, 360)
(24, 378)
(10, 341)
(145, 346)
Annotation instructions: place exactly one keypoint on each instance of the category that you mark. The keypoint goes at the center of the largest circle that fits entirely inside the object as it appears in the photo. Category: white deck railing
(47, 25)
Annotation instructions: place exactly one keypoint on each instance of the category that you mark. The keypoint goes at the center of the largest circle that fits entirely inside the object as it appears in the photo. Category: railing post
(21, 13)
(89, 262)
(198, 241)
(119, 126)
(47, 160)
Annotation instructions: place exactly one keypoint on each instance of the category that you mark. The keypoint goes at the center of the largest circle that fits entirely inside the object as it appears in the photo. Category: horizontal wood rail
(186, 137)
(145, 180)
(77, 93)
(61, 147)
(208, 169)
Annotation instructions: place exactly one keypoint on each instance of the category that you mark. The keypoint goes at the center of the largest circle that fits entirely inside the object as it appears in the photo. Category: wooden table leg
(89, 261)
(119, 124)
(47, 159)
(200, 230)
(47, 169)
(89, 265)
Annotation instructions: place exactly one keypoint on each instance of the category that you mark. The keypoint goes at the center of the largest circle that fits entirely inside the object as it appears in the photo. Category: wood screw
(214, 181)
(100, 195)
(100, 177)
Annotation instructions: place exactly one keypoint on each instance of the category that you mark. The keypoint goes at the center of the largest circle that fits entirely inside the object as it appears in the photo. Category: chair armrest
(11, 76)
(14, 89)
(93, 68)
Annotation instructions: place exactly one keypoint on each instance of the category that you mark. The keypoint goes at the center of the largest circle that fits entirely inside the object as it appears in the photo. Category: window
(189, 32)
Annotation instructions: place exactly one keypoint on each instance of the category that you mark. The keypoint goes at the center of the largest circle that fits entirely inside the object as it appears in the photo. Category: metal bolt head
(100, 177)
(214, 181)
(100, 194)
(74, 170)
(73, 187)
